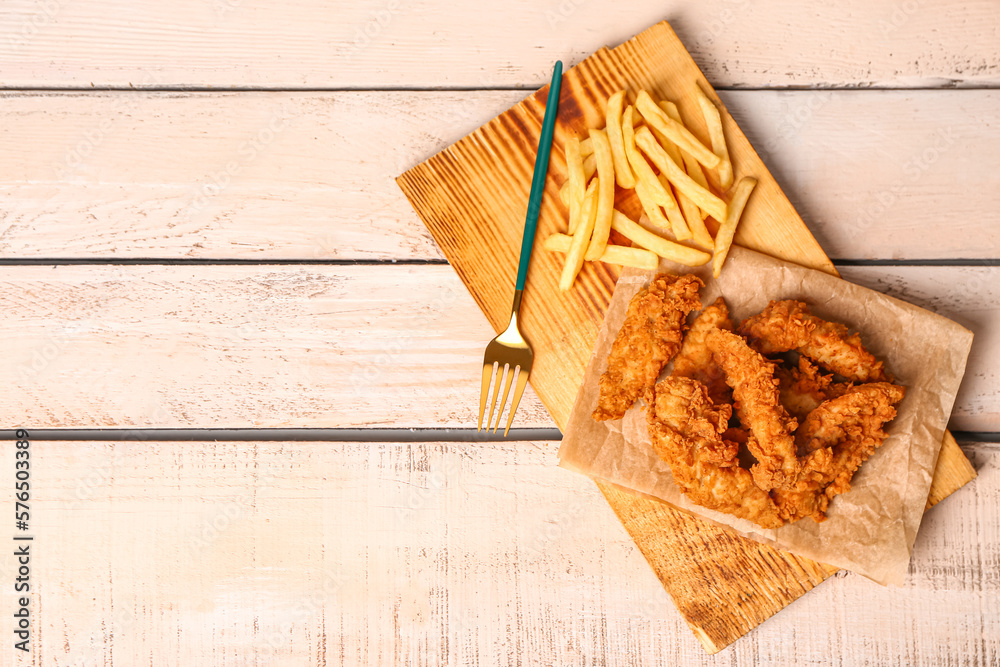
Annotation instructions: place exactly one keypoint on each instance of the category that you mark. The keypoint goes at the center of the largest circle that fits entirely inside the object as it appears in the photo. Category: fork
(509, 352)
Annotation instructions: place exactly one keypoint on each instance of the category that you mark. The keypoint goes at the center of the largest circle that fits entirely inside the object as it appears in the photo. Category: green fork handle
(538, 177)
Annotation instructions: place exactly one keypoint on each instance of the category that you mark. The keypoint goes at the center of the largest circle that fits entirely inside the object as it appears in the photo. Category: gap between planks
(385, 435)
(523, 88)
(198, 261)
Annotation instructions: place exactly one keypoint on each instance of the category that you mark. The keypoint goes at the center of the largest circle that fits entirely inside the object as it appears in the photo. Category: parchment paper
(869, 530)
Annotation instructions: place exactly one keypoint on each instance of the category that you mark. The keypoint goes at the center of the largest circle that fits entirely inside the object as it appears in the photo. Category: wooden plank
(277, 176)
(243, 346)
(109, 174)
(382, 43)
(331, 346)
(884, 175)
(451, 192)
(235, 553)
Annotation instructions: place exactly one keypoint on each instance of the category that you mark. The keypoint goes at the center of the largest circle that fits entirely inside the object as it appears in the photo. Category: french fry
(714, 121)
(727, 229)
(676, 131)
(697, 174)
(613, 254)
(677, 217)
(705, 199)
(623, 172)
(576, 182)
(605, 194)
(586, 147)
(589, 167)
(650, 207)
(641, 236)
(643, 172)
(574, 258)
(669, 146)
(691, 166)
(692, 215)
(678, 225)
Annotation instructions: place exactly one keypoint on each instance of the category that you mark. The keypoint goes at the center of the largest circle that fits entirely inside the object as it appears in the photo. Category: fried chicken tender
(802, 389)
(650, 337)
(695, 359)
(759, 408)
(768, 469)
(788, 325)
(835, 439)
(687, 432)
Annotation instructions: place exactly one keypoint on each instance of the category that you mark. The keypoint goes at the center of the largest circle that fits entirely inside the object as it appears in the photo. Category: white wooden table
(199, 229)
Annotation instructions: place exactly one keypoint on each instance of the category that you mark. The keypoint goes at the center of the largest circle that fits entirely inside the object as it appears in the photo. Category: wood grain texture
(953, 471)
(243, 346)
(311, 44)
(884, 174)
(278, 175)
(453, 191)
(723, 585)
(314, 554)
(331, 346)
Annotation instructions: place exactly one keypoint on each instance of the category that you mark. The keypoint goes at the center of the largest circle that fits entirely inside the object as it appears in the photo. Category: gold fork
(509, 352)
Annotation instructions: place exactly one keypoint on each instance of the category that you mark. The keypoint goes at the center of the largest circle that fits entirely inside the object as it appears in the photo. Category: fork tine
(522, 379)
(508, 381)
(487, 376)
(496, 390)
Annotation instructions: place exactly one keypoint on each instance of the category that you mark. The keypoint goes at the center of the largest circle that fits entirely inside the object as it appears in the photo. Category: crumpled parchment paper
(869, 530)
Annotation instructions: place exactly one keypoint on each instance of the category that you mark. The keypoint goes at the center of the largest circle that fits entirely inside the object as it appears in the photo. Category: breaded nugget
(804, 388)
(836, 438)
(695, 359)
(759, 408)
(687, 432)
(649, 338)
(788, 325)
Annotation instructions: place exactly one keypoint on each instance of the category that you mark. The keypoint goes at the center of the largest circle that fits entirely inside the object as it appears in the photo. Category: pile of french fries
(646, 147)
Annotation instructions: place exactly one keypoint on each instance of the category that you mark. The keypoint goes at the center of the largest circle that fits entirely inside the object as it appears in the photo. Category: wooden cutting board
(472, 196)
